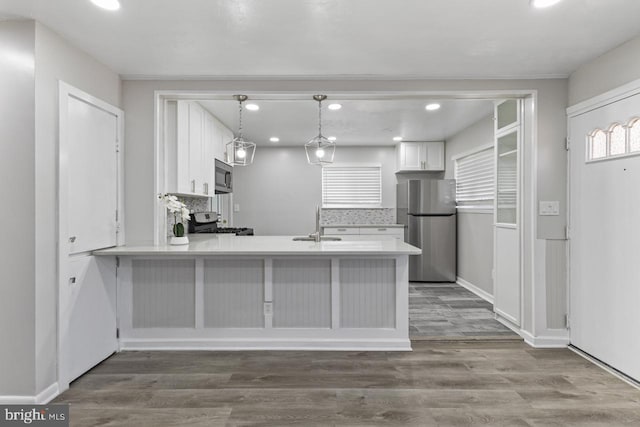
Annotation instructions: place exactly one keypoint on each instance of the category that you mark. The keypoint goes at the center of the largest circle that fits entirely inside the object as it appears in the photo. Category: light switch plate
(236, 207)
(549, 208)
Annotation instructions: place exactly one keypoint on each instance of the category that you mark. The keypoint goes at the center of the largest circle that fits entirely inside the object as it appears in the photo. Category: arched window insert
(597, 144)
(617, 140)
(634, 135)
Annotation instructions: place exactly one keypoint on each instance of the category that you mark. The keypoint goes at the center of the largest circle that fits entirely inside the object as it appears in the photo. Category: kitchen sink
(312, 239)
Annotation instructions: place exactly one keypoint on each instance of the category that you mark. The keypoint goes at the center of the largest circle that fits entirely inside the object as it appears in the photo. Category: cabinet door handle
(342, 229)
(382, 229)
(72, 280)
(205, 188)
(193, 185)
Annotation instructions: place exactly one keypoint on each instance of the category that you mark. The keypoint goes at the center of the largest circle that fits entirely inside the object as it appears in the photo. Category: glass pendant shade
(320, 150)
(239, 151)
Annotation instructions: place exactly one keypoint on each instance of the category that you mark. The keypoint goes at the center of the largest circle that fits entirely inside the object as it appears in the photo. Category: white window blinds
(351, 185)
(474, 175)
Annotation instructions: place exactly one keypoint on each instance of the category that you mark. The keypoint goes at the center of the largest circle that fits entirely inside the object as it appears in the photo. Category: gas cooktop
(238, 231)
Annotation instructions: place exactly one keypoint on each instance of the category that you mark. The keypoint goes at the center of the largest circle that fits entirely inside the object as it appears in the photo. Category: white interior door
(89, 313)
(604, 238)
(92, 176)
(90, 195)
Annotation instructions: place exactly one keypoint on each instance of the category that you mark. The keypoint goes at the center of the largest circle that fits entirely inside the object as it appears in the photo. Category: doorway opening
(458, 310)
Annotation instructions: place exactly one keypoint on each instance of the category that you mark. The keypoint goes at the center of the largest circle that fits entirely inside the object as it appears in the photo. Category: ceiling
(358, 122)
(338, 39)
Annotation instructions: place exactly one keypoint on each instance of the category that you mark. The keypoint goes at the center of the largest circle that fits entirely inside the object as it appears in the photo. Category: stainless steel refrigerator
(427, 208)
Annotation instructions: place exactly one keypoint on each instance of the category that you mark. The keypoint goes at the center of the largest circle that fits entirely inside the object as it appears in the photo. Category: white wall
(36, 60)
(278, 193)
(17, 172)
(475, 229)
(472, 137)
(615, 68)
(55, 60)
(475, 249)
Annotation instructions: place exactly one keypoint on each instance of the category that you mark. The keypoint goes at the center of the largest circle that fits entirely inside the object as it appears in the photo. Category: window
(474, 175)
(352, 185)
(618, 140)
(598, 144)
(634, 136)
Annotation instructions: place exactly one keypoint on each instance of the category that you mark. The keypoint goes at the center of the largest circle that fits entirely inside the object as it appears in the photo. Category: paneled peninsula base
(220, 302)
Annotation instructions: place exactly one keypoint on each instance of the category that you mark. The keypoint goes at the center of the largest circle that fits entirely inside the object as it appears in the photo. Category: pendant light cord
(320, 118)
(240, 124)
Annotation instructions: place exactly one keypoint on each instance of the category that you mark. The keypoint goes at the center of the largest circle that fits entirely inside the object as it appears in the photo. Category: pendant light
(320, 150)
(239, 151)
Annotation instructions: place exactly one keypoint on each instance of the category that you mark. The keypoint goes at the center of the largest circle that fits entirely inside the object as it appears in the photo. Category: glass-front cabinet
(507, 159)
(507, 257)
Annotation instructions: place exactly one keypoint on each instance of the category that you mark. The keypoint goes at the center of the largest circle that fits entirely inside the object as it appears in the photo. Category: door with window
(605, 233)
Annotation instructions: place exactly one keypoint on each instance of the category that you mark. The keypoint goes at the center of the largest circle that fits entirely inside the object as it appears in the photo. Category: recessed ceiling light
(541, 4)
(274, 139)
(332, 138)
(432, 107)
(252, 107)
(335, 106)
(107, 4)
(397, 138)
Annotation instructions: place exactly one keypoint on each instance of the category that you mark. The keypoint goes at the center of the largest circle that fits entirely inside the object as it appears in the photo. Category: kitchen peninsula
(264, 293)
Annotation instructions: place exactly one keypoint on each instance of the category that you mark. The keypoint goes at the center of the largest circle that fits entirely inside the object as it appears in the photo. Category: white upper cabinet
(194, 144)
(223, 137)
(420, 156)
(208, 154)
(194, 139)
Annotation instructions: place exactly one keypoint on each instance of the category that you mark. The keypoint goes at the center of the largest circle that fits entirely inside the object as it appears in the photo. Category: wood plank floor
(449, 310)
(457, 383)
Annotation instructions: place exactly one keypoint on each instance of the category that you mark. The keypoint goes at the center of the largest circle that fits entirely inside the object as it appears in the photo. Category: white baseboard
(553, 338)
(241, 345)
(476, 290)
(42, 398)
(632, 382)
(48, 394)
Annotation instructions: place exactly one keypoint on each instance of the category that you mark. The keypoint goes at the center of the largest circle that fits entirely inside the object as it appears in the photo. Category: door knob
(72, 239)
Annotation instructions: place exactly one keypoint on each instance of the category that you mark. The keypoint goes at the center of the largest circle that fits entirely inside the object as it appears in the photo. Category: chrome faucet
(317, 236)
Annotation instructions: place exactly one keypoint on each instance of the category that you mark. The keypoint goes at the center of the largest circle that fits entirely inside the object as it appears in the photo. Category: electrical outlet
(268, 308)
(236, 207)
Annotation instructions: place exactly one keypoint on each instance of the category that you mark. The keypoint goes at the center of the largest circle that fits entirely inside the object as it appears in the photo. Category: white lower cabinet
(87, 315)
(365, 233)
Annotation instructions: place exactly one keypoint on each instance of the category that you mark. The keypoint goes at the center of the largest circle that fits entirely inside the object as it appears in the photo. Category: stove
(207, 222)
(238, 231)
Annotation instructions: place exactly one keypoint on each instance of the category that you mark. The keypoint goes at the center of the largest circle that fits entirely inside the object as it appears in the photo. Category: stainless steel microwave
(224, 178)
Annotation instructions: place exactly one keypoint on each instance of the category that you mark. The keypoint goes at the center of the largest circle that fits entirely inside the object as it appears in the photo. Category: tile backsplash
(194, 204)
(358, 216)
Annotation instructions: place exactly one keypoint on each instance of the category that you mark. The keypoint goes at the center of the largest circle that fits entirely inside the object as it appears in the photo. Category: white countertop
(362, 226)
(220, 244)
